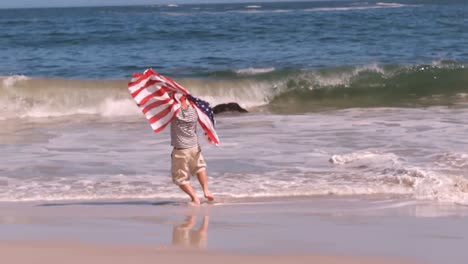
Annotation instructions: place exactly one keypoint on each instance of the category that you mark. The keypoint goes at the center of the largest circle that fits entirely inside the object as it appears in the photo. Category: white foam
(428, 185)
(257, 11)
(351, 8)
(422, 184)
(324, 9)
(445, 64)
(253, 71)
(107, 108)
(247, 93)
(84, 188)
(343, 77)
(373, 67)
(390, 4)
(44, 112)
(363, 157)
(276, 183)
(452, 160)
(10, 81)
(125, 107)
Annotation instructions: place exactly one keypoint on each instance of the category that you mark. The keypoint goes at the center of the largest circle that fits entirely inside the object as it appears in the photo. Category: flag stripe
(151, 92)
(164, 121)
(153, 105)
(145, 86)
(154, 114)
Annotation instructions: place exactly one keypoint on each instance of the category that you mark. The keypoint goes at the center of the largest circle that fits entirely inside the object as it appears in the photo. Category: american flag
(204, 106)
(159, 99)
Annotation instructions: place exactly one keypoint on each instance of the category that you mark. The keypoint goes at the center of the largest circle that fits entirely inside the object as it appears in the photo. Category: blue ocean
(345, 98)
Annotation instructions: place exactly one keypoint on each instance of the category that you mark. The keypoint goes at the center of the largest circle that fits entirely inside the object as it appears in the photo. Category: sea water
(345, 98)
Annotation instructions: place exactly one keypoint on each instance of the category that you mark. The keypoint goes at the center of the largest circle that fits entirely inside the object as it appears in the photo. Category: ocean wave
(283, 90)
(22, 96)
(25, 97)
(440, 83)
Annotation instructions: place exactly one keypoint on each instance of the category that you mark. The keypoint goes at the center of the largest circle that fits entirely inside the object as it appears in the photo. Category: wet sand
(59, 252)
(322, 230)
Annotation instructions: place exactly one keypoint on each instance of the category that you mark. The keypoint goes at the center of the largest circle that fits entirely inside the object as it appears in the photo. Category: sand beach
(324, 230)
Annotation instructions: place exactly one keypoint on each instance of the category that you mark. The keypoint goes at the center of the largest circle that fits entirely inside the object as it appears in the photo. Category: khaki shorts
(186, 162)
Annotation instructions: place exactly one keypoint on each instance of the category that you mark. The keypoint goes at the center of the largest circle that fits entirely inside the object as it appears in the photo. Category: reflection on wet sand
(185, 235)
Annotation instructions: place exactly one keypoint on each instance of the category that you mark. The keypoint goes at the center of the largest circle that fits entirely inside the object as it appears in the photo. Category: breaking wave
(281, 90)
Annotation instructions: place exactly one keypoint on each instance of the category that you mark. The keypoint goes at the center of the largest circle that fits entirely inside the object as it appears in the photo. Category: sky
(65, 3)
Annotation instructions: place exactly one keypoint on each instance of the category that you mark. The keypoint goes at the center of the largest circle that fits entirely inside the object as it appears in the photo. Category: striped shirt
(184, 128)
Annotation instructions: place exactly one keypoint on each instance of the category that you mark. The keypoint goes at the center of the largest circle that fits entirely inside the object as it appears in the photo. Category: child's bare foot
(209, 196)
(194, 203)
